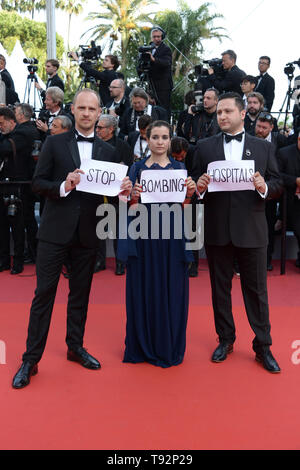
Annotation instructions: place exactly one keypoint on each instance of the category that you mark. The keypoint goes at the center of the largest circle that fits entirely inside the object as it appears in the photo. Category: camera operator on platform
(160, 73)
(233, 76)
(201, 120)
(109, 65)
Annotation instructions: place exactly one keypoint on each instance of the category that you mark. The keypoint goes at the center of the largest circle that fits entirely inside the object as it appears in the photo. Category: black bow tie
(81, 138)
(139, 113)
(52, 115)
(229, 138)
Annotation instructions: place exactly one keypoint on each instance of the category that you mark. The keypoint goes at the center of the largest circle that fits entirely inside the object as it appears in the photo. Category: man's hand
(203, 183)
(73, 55)
(42, 126)
(259, 183)
(190, 187)
(73, 179)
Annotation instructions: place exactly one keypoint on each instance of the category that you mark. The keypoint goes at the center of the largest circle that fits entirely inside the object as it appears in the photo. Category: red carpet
(197, 405)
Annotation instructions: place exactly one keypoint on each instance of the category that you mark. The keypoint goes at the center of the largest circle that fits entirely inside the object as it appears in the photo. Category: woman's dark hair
(158, 124)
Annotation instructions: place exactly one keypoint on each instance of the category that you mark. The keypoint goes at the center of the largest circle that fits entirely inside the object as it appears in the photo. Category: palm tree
(122, 19)
(72, 7)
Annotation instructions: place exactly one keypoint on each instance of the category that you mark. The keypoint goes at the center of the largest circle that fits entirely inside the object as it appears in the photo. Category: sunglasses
(266, 117)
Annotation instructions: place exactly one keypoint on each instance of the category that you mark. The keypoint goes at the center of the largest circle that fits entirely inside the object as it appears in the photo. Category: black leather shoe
(22, 377)
(99, 266)
(17, 269)
(193, 269)
(220, 354)
(269, 267)
(84, 358)
(268, 361)
(4, 267)
(120, 269)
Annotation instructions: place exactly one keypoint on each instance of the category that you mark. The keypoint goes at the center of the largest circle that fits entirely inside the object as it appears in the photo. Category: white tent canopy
(24, 86)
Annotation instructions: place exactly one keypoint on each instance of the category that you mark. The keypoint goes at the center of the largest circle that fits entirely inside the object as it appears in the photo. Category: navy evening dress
(157, 291)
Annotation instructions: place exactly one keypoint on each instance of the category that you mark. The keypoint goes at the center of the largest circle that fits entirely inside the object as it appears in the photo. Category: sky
(255, 28)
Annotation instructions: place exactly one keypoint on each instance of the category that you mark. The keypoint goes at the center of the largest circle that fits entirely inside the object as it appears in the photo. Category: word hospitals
(231, 175)
(167, 221)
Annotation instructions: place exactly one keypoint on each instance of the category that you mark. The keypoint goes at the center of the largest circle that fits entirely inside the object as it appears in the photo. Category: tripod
(87, 82)
(147, 84)
(31, 79)
(287, 100)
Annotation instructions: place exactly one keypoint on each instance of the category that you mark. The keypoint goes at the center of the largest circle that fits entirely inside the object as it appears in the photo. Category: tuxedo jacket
(237, 216)
(267, 88)
(63, 215)
(160, 69)
(289, 166)
(230, 82)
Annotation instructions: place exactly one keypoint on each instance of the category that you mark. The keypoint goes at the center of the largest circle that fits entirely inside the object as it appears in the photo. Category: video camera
(31, 61)
(89, 53)
(144, 60)
(290, 68)
(215, 64)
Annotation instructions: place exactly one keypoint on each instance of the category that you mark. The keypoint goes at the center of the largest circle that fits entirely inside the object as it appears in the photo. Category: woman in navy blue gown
(157, 283)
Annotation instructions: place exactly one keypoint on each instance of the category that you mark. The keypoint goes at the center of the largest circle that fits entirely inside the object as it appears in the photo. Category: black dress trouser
(253, 276)
(49, 262)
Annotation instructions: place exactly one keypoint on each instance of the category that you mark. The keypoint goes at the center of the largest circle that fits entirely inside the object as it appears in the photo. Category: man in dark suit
(235, 227)
(52, 66)
(67, 228)
(53, 107)
(289, 165)
(16, 145)
(5, 75)
(139, 106)
(160, 73)
(264, 130)
(265, 83)
(233, 76)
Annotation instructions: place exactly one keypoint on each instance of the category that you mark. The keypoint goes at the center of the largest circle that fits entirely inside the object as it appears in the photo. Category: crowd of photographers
(126, 114)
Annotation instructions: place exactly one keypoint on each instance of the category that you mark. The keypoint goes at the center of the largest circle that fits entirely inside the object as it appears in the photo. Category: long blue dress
(157, 292)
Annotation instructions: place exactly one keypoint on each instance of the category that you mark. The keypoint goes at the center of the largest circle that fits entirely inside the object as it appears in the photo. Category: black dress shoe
(193, 269)
(4, 267)
(269, 267)
(99, 266)
(17, 269)
(220, 354)
(120, 269)
(84, 358)
(22, 377)
(268, 361)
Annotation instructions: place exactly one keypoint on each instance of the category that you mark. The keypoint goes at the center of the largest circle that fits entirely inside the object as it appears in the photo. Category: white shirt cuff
(62, 191)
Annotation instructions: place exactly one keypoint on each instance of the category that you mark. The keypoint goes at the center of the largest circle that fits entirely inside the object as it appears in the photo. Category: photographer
(16, 146)
(119, 102)
(232, 76)
(160, 72)
(201, 119)
(139, 106)
(110, 65)
(53, 107)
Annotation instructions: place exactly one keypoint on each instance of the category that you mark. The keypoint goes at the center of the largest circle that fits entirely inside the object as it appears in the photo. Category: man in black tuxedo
(54, 99)
(67, 228)
(233, 76)
(289, 165)
(235, 227)
(5, 75)
(16, 145)
(265, 83)
(52, 66)
(264, 130)
(160, 73)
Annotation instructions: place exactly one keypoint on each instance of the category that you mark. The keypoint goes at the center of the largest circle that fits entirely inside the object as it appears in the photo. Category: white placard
(228, 175)
(103, 178)
(163, 185)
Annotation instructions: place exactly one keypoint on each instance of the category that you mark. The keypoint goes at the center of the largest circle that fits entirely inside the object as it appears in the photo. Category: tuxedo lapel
(219, 149)
(73, 148)
(248, 153)
(97, 152)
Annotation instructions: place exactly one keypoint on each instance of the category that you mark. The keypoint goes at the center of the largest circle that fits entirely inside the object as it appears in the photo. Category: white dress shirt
(85, 152)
